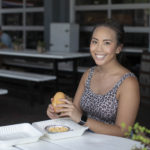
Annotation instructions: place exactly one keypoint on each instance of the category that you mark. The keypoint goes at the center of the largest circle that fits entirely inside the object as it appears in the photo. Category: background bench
(32, 80)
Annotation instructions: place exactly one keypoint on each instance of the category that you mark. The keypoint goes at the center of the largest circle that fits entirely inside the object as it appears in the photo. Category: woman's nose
(99, 47)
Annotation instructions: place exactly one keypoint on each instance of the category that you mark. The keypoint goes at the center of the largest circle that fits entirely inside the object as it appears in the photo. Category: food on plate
(56, 100)
(56, 128)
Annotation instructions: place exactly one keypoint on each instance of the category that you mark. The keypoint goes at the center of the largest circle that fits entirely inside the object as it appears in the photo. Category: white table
(88, 141)
(45, 55)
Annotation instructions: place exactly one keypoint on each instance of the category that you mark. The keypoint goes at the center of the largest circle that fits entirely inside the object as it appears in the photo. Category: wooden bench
(30, 79)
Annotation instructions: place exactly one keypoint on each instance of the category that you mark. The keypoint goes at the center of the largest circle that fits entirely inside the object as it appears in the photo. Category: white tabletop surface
(3, 91)
(48, 54)
(88, 141)
(28, 76)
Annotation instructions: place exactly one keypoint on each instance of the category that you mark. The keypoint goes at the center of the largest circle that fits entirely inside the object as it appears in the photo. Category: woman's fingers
(66, 101)
(64, 114)
(52, 100)
(69, 98)
(50, 108)
(64, 106)
(51, 113)
(62, 110)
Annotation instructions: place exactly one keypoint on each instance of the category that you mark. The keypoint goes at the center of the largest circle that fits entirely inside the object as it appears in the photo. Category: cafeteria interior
(19, 105)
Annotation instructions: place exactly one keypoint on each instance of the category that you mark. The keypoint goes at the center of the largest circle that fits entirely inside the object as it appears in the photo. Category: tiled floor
(17, 110)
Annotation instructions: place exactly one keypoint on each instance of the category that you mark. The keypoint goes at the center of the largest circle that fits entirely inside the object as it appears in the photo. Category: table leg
(55, 65)
(75, 75)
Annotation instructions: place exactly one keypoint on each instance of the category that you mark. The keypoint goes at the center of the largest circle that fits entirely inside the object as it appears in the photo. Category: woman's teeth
(100, 56)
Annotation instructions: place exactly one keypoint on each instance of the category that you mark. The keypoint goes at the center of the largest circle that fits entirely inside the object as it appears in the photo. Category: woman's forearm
(103, 128)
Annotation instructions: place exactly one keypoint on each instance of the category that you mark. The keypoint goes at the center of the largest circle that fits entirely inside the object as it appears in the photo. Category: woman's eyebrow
(107, 40)
(93, 38)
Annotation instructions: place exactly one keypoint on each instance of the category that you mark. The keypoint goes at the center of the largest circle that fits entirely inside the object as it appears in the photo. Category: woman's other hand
(50, 112)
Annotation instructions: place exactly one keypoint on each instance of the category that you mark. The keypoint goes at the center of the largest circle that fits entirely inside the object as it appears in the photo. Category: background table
(54, 57)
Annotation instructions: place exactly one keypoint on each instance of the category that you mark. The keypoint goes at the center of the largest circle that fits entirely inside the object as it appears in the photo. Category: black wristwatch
(83, 119)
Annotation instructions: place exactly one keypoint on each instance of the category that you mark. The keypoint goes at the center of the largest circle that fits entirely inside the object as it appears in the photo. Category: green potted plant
(138, 133)
(40, 46)
(17, 44)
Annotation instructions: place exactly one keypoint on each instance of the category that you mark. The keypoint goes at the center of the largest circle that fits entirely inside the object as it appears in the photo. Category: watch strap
(83, 119)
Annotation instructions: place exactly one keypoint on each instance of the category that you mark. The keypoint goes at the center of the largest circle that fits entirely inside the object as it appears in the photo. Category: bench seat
(26, 76)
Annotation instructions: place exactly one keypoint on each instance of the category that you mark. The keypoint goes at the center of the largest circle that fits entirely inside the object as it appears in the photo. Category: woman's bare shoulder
(130, 83)
(85, 75)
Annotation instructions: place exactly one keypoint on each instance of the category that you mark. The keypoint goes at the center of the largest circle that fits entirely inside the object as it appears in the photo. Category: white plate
(18, 134)
(75, 129)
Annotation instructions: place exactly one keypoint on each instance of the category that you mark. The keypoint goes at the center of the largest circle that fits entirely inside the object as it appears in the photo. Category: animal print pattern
(101, 107)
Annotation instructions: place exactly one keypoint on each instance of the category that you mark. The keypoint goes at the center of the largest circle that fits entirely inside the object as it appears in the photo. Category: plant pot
(40, 49)
(16, 47)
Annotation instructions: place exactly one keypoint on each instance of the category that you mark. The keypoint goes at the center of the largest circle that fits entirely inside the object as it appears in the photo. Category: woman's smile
(100, 56)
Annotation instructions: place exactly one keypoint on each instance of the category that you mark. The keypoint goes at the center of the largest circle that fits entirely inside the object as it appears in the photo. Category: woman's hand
(50, 112)
(69, 110)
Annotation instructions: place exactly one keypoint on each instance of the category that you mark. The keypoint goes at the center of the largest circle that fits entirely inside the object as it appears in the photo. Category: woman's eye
(107, 43)
(94, 42)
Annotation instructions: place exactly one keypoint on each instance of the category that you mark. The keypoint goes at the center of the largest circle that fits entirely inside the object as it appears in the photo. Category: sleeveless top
(101, 107)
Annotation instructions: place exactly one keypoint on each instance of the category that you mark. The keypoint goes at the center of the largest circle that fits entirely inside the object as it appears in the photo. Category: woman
(108, 94)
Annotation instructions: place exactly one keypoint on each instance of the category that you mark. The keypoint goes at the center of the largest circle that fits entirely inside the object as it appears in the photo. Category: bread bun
(56, 100)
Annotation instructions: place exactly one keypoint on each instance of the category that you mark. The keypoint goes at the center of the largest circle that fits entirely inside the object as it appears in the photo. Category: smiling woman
(108, 93)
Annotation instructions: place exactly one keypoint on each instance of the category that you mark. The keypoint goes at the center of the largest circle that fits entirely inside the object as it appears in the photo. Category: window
(136, 40)
(90, 2)
(34, 19)
(129, 1)
(134, 14)
(24, 20)
(34, 3)
(12, 19)
(91, 17)
(138, 17)
(32, 39)
(12, 3)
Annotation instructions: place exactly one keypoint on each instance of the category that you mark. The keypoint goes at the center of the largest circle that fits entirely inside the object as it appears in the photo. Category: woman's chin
(99, 63)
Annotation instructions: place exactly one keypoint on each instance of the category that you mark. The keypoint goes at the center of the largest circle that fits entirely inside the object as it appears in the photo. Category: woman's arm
(72, 109)
(129, 98)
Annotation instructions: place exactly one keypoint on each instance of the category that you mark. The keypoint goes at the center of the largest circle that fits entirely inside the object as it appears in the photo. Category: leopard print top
(101, 107)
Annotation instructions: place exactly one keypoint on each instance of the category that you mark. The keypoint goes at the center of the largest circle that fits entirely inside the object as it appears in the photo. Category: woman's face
(103, 46)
